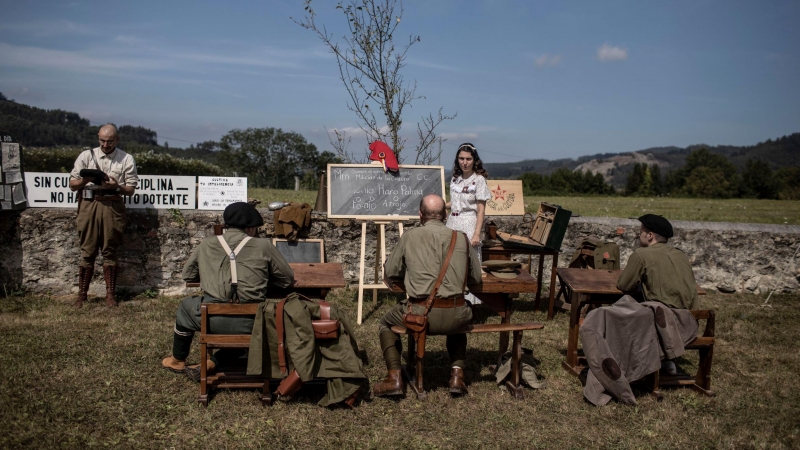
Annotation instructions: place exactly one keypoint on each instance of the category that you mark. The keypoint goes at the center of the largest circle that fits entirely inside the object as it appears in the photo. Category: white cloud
(430, 65)
(608, 53)
(42, 58)
(547, 60)
(44, 28)
(130, 40)
(459, 136)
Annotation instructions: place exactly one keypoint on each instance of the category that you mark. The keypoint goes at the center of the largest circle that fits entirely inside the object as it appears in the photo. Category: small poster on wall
(506, 198)
(215, 193)
(12, 185)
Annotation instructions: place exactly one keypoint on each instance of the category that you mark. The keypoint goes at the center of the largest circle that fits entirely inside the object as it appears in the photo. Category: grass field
(784, 212)
(92, 378)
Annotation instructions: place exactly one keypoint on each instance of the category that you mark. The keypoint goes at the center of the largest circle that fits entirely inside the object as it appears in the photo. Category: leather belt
(105, 198)
(452, 302)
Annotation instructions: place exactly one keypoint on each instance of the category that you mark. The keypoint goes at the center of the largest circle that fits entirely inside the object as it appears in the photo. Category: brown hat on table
(501, 269)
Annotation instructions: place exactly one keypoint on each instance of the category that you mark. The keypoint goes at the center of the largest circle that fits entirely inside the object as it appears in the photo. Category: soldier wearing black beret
(259, 266)
(662, 270)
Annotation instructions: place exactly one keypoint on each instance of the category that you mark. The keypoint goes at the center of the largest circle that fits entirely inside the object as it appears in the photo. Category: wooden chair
(415, 356)
(227, 377)
(704, 344)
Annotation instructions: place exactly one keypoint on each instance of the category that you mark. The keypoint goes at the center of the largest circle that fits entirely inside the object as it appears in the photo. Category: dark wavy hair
(477, 164)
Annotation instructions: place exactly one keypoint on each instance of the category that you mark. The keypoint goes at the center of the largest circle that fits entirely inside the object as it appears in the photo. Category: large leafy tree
(268, 157)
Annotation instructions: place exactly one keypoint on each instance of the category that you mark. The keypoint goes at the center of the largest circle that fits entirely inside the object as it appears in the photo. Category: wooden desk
(500, 252)
(588, 286)
(313, 280)
(495, 293)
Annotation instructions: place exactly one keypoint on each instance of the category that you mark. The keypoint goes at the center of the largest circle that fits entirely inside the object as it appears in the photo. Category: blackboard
(301, 251)
(365, 191)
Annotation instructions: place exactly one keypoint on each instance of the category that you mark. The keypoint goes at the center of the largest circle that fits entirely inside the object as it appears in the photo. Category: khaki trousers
(101, 225)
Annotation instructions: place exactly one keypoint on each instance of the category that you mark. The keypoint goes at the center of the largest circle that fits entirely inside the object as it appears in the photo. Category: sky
(527, 79)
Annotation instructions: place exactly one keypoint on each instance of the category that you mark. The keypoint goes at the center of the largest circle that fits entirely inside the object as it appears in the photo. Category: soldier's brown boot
(173, 365)
(110, 274)
(457, 385)
(84, 278)
(391, 385)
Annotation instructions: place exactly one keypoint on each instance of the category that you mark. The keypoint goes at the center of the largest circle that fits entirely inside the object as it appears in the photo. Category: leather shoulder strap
(324, 310)
(279, 328)
(432, 295)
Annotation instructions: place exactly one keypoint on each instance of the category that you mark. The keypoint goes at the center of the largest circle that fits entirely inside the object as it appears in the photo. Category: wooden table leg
(539, 283)
(552, 287)
(574, 334)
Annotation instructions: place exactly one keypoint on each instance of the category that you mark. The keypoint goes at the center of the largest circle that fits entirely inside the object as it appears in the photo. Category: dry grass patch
(92, 378)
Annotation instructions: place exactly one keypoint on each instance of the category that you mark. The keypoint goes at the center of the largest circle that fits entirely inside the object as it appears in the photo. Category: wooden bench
(227, 377)
(514, 384)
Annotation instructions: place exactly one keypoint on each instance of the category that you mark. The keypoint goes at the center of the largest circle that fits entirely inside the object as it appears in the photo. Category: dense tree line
(712, 175)
(565, 182)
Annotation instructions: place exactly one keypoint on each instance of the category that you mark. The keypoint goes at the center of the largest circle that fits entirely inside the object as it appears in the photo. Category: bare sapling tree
(370, 67)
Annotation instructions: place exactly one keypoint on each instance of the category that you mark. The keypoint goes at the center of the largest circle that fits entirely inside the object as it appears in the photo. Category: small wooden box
(548, 229)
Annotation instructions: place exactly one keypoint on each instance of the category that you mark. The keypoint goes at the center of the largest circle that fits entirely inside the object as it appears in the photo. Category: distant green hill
(36, 127)
(778, 153)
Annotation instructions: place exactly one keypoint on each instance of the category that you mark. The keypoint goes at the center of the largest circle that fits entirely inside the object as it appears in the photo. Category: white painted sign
(163, 192)
(218, 192)
(51, 190)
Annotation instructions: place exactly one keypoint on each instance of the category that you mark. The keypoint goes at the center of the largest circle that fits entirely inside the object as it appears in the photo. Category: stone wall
(39, 249)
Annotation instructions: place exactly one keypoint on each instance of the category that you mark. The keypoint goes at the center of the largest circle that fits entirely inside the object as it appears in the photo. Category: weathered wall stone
(39, 248)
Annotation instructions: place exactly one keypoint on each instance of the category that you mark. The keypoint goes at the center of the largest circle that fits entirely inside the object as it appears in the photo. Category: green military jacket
(258, 265)
(665, 274)
(423, 249)
(336, 360)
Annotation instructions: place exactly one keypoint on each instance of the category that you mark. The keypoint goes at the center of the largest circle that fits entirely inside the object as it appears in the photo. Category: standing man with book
(102, 176)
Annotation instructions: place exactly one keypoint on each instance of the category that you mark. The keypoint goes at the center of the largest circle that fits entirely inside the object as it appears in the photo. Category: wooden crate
(547, 231)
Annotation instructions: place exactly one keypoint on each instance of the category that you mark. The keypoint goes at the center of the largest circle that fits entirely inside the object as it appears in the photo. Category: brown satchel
(419, 323)
(324, 328)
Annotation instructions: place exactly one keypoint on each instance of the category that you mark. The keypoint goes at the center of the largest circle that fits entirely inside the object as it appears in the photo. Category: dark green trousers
(441, 321)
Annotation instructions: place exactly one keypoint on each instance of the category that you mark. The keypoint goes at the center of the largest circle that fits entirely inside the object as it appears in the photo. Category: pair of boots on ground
(393, 384)
(85, 277)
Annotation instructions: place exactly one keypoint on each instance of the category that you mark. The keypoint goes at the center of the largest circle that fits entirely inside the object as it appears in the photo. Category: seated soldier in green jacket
(259, 266)
(663, 272)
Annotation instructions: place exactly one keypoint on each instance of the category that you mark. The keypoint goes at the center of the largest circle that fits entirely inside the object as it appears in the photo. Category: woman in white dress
(468, 195)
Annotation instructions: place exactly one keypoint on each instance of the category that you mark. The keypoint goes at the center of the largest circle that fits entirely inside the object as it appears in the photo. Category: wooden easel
(380, 257)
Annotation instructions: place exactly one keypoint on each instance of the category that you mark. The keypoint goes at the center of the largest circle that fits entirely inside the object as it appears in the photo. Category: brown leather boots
(84, 278)
(457, 385)
(110, 274)
(391, 385)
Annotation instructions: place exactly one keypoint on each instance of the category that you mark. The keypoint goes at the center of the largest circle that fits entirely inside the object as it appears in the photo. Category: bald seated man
(102, 176)
(418, 260)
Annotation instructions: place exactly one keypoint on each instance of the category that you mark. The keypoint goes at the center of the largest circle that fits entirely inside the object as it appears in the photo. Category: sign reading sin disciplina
(365, 191)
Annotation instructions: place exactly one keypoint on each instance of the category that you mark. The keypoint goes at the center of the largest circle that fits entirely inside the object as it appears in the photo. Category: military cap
(501, 269)
(657, 224)
(242, 215)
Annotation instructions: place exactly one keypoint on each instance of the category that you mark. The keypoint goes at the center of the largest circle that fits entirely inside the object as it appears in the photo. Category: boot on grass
(110, 274)
(84, 278)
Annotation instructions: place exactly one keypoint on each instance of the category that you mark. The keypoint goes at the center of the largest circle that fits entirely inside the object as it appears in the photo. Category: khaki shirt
(117, 164)
(419, 256)
(258, 265)
(665, 274)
